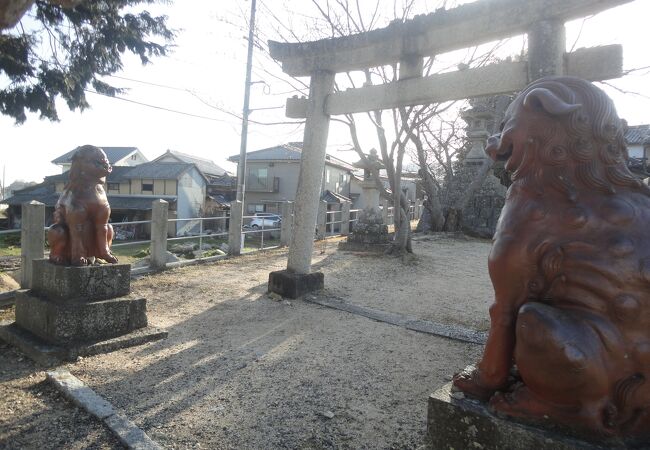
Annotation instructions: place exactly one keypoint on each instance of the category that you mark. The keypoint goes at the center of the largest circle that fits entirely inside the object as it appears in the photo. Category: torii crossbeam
(407, 43)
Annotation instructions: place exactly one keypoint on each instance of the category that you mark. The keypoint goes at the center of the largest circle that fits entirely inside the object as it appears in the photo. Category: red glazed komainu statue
(570, 266)
(81, 231)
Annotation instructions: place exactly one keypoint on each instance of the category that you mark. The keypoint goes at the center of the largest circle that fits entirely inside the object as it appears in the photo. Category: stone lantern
(369, 233)
(477, 132)
(371, 167)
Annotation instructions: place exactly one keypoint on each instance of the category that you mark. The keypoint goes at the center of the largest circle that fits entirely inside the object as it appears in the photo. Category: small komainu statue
(81, 231)
(570, 264)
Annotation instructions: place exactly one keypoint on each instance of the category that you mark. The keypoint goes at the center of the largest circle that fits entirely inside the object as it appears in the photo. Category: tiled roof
(279, 152)
(43, 192)
(331, 197)
(637, 134)
(287, 152)
(114, 154)
(225, 180)
(206, 166)
(138, 203)
(157, 170)
(116, 176)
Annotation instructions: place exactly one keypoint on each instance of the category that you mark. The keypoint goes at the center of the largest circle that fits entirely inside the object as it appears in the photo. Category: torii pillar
(298, 279)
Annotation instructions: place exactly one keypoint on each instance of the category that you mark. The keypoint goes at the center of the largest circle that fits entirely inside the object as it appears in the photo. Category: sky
(202, 80)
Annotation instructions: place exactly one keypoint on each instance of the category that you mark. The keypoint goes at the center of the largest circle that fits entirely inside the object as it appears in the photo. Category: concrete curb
(81, 395)
(454, 332)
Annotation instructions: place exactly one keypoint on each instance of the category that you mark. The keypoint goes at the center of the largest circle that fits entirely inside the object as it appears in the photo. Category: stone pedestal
(293, 285)
(369, 233)
(455, 422)
(77, 311)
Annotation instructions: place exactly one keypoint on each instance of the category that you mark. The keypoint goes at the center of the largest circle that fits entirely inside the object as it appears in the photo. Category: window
(327, 175)
(114, 186)
(147, 186)
(134, 156)
(253, 208)
(258, 177)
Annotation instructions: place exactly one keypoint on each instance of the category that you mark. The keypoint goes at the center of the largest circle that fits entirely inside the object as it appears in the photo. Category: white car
(266, 221)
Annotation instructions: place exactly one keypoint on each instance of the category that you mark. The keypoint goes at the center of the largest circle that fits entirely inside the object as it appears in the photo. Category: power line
(150, 83)
(162, 108)
(195, 95)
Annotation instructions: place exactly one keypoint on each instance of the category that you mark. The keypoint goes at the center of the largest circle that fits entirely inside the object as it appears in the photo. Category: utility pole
(241, 167)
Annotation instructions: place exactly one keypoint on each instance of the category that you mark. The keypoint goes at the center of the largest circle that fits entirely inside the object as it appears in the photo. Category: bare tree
(399, 132)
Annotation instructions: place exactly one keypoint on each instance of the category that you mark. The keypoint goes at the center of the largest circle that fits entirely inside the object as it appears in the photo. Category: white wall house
(272, 177)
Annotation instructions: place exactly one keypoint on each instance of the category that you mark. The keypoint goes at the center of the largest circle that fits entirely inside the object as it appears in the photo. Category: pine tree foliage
(63, 52)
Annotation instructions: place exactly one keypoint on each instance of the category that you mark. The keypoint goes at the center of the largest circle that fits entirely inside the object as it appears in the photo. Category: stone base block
(67, 323)
(461, 423)
(76, 283)
(294, 285)
(51, 355)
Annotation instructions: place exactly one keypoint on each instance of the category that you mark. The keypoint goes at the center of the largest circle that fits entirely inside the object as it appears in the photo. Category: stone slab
(66, 323)
(294, 285)
(455, 422)
(80, 394)
(50, 355)
(455, 332)
(64, 283)
(129, 434)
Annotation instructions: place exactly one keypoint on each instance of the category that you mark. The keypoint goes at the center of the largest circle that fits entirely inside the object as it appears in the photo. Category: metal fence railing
(204, 238)
(261, 232)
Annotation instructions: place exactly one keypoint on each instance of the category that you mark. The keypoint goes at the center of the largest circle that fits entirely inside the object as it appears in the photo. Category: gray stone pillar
(32, 239)
(159, 216)
(546, 47)
(287, 223)
(384, 210)
(312, 164)
(321, 228)
(345, 218)
(235, 228)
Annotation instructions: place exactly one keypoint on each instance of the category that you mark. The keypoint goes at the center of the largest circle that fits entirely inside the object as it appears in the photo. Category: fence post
(235, 228)
(287, 223)
(384, 210)
(159, 216)
(322, 219)
(419, 205)
(32, 239)
(345, 218)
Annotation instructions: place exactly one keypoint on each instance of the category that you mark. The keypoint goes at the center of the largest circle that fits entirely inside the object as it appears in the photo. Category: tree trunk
(432, 204)
(454, 220)
(402, 240)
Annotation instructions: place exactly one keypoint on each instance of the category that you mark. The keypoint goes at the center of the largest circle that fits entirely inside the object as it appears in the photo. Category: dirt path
(241, 370)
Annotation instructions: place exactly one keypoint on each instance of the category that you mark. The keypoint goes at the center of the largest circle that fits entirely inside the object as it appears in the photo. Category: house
(131, 189)
(272, 177)
(637, 139)
(221, 186)
(117, 156)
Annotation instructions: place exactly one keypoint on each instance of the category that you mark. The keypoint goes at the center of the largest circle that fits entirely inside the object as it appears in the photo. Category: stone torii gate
(407, 43)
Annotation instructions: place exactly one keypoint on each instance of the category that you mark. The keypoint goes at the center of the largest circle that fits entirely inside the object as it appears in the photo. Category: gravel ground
(241, 370)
